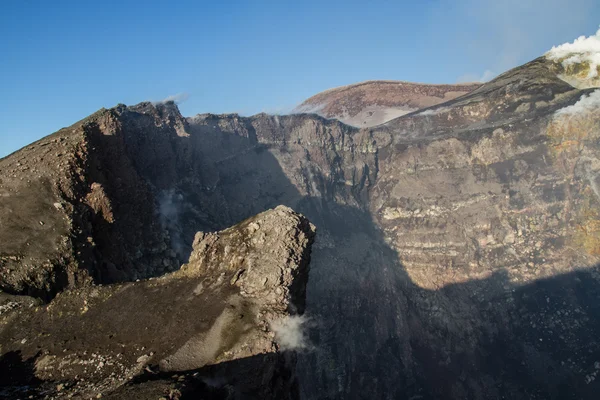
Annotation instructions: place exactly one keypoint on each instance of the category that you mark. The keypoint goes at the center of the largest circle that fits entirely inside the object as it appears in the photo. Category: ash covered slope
(371, 103)
(74, 209)
(218, 308)
(457, 247)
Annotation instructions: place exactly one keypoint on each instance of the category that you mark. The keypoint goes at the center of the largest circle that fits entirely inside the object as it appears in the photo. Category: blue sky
(62, 60)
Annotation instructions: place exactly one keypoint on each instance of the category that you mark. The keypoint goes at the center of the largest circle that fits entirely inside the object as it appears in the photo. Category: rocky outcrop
(216, 312)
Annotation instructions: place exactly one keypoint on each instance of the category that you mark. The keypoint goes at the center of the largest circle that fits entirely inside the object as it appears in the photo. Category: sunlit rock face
(457, 246)
(219, 324)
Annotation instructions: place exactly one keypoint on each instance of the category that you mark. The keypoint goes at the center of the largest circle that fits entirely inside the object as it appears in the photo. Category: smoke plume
(177, 98)
(290, 332)
(587, 103)
(582, 50)
(170, 204)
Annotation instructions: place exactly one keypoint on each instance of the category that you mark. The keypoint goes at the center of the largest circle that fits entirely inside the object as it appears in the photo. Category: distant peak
(372, 103)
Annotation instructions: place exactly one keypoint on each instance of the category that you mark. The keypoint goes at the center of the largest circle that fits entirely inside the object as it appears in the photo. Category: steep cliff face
(489, 203)
(75, 208)
(457, 244)
(484, 190)
(219, 308)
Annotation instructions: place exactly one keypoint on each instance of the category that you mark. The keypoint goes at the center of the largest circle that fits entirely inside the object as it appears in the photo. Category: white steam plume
(583, 49)
(499, 35)
(308, 109)
(290, 332)
(170, 205)
(587, 103)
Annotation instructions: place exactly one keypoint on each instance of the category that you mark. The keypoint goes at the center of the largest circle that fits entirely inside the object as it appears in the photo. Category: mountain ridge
(457, 251)
(370, 103)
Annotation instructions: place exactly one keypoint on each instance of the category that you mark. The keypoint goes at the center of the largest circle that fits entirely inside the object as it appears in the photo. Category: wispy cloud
(485, 77)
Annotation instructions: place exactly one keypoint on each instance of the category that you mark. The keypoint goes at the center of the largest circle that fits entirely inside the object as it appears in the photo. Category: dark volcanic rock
(457, 246)
(74, 208)
(218, 308)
